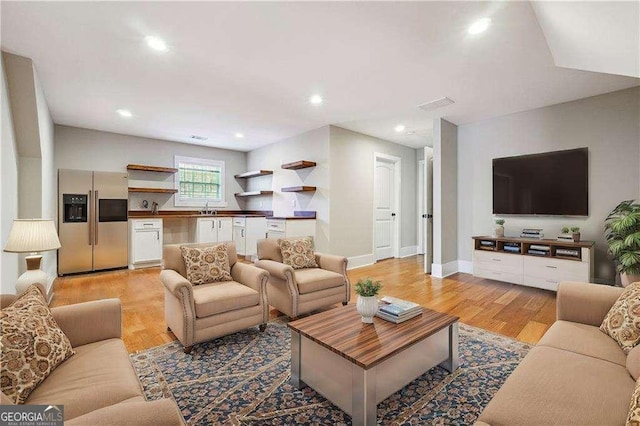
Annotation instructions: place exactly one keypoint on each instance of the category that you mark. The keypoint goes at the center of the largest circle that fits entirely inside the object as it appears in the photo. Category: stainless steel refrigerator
(92, 221)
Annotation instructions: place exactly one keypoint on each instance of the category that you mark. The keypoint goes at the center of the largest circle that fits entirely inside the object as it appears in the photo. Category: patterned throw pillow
(622, 322)
(634, 407)
(206, 264)
(32, 344)
(298, 252)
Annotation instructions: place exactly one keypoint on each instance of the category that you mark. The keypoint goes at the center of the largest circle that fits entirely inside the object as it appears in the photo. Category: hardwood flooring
(516, 311)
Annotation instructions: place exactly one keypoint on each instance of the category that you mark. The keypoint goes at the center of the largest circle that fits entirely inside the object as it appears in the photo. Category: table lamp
(32, 236)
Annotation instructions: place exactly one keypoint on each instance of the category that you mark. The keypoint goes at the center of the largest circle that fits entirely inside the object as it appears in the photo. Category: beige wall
(86, 149)
(34, 143)
(608, 125)
(445, 190)
(311, 146)
(351, 193)
(9, 269)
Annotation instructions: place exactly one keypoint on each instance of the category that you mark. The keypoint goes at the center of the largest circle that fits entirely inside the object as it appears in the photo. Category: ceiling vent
(198, 138)
(438, 103)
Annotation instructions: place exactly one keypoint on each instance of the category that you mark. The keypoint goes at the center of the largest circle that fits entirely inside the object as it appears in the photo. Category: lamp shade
(32, 235)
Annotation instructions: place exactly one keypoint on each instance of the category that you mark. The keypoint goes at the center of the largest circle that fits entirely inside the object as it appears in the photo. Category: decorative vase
(367, 306)
(628, 279)
(576, 237)
(499, 231)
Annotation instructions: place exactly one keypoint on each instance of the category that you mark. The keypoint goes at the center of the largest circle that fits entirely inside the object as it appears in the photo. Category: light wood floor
(516, 311)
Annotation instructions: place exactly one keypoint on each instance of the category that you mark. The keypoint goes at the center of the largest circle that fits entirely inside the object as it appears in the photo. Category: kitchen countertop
(188, 214)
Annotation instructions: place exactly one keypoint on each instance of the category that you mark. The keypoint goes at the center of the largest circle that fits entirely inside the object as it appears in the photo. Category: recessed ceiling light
(156, 43)
(316, 99)
(239, 135)
(479, 26)
(124, 113)
(400, 128)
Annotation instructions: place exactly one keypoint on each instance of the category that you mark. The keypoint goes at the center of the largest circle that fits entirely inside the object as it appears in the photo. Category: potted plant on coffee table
(367, 303)
(622, 231)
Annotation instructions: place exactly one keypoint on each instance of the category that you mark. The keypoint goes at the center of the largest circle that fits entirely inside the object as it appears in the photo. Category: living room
(531, 89)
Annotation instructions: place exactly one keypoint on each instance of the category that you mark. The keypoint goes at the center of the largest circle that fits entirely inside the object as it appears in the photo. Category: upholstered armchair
(298, 291)
(197, 313)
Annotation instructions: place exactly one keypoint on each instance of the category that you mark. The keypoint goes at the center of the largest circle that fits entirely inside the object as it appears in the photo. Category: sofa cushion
(33, 344)
(298, 252)
(316, 279)
(554, 386)
(583, 339)
(206, 264)
(98, 375)
(633, 362)
(216, 298)
(622, 322)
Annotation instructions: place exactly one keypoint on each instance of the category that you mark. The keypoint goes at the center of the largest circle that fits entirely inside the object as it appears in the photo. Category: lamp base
(33, 275)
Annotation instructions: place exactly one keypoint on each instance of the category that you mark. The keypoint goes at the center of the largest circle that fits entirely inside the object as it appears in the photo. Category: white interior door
(428, 202)
(385, 206)
(422, 207)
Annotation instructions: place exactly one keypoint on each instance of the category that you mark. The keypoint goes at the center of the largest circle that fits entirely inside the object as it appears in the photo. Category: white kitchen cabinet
(213, 230)
(145, 243)
(289, 228)
(246, 233)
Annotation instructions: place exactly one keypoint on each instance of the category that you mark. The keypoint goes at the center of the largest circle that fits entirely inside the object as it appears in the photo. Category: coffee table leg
(453, 362)
(363, 397)
(295, 360)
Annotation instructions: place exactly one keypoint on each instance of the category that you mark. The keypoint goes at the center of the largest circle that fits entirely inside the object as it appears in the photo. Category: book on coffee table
(397, 310)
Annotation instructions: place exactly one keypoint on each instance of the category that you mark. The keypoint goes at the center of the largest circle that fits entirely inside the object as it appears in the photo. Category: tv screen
(551, 183)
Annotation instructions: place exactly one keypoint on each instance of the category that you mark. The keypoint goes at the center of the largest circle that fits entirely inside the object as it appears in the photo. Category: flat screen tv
(552, 183)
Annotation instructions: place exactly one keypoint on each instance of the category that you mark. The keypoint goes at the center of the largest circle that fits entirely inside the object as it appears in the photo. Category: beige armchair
(298, 291)
(199, 313)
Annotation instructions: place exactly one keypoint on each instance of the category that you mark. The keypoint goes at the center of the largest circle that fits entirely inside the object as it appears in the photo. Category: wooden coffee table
(357, 365)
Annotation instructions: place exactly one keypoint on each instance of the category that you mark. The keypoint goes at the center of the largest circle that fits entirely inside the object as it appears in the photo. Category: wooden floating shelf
(154, 190)
(253, 193)
(299, 189)
(151, 168)
(296, 165)
(254, 173)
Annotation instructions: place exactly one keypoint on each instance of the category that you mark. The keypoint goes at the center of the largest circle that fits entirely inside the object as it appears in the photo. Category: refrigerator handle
(95, 219)
(90, 216)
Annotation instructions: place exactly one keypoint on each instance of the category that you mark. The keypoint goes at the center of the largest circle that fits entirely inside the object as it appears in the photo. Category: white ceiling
(251, 67)
(593, 36)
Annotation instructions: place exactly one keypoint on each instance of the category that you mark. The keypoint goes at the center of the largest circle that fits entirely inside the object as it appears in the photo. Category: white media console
(492, 259)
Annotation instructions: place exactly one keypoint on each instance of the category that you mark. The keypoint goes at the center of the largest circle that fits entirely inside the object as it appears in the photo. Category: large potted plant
(367, 304)
(622, 231)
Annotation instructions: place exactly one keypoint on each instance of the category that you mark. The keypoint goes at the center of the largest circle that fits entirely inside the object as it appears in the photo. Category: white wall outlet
(293, 202)
(261, 204)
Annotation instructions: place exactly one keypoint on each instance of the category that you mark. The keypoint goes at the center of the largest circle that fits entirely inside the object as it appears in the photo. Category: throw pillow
(32, 344)
(634, 407)
(206, 264)
(298, 252)
(622, 322)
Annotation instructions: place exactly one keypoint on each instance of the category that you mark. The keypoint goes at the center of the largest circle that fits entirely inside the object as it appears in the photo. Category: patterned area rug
(244, 379)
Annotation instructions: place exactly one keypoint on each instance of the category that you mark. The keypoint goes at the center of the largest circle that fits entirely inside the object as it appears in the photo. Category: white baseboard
(444, 270)
(360, 261)
(408, 251)
(465, 266)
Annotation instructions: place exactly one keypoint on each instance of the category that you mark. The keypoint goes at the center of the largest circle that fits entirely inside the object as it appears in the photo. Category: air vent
(198, 138)
(438, 103)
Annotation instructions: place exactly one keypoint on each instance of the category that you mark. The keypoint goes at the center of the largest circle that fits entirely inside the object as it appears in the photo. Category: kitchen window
(198, 181)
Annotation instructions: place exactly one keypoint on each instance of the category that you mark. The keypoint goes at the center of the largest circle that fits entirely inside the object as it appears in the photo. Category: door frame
(397, 173)
(422, 240)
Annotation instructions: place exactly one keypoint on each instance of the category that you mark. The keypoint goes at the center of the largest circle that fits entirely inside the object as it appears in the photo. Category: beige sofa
(299, 291)
(203, 312)
(576, 374)
(97, 385)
